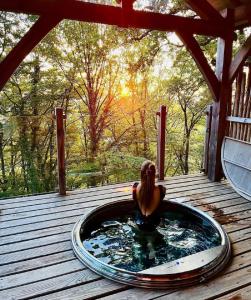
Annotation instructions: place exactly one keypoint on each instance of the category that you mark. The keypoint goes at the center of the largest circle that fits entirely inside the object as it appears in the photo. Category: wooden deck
(37, 262)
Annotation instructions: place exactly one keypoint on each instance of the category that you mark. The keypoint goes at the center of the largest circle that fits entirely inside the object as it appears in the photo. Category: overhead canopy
(242, 10)
(210, 22)
(116, 15)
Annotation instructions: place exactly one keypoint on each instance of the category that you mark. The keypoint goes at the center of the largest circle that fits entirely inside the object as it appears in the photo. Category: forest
(110, 83)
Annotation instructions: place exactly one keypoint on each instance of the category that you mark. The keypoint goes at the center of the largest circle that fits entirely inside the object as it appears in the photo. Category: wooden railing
(161, 143)
(239, 113)
(60, 116)
(209, 111)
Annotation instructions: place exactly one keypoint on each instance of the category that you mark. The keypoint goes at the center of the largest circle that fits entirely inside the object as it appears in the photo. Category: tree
(87, 62)
(190, 94)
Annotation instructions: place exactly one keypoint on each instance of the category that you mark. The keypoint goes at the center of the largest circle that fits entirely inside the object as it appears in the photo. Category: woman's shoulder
(162, 190)
(135, 185)
(134, 190)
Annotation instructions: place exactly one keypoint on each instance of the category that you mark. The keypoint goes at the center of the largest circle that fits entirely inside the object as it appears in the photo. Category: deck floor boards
(37, 261)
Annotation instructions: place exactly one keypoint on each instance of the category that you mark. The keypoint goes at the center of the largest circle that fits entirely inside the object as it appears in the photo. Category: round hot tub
(187, 247)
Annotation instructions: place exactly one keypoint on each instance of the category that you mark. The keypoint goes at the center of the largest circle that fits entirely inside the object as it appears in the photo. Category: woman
(148, 198)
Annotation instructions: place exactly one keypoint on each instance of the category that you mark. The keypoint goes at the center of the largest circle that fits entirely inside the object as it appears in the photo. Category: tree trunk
(12, 166)
(186, 154)
(93, 130)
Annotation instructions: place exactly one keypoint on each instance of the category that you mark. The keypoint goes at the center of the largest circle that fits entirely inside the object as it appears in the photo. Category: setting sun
(125, 91)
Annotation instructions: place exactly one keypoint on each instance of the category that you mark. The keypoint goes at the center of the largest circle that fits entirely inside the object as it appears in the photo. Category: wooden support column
(161, 142)
(220, 105)
(207, 136)
(60, 150)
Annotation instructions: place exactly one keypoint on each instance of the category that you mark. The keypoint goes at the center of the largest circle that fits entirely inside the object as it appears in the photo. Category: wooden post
(207, 136)
(60, 150)
(220, 106)
(161, 142)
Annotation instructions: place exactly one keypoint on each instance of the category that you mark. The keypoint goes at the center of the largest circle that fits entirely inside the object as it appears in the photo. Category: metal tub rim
(140, 279)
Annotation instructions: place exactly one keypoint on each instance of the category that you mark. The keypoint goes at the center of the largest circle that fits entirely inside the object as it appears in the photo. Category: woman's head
(148, 172)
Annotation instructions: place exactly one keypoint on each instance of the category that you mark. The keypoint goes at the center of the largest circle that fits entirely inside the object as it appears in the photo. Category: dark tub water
(119, 243)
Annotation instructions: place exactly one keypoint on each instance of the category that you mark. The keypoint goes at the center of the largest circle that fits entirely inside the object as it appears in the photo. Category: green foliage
(110, 83)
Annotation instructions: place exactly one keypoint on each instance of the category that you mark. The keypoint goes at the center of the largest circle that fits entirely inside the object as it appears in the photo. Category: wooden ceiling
(242, 10)
(87, 11)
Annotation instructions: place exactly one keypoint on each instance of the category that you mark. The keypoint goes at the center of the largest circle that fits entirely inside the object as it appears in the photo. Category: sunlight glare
(125, 91)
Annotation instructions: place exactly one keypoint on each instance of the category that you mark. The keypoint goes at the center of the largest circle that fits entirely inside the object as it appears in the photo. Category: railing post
(161, 142)
(59, 114)
(209, 111)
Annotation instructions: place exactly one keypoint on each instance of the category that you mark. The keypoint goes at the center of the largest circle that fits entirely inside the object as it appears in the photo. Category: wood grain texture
(112, 15)
(37, 260)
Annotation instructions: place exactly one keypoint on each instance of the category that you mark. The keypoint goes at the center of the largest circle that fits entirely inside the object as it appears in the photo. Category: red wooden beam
(206, 11)
(112, 15)
(127, 4)
(37, 32)
(240, 58)
(201, 61)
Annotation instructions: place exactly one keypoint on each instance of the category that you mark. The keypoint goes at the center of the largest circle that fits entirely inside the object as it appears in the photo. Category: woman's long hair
(148, 172)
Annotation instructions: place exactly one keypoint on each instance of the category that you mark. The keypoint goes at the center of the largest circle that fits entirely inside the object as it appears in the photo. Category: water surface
(118, 242)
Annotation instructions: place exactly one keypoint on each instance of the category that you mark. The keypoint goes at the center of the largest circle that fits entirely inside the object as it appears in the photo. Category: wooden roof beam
(112, 15)
(242, 15)
(206, 11)
(36, 33)
(240, 58)
(127, 4)
(201, 61)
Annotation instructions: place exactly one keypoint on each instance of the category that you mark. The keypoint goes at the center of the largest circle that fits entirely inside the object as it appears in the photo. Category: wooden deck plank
(90, 197)
(48, 272)
(139, 294)
(215, 288)
(236, 236)
(240, 211)
(31, 263)
(32, 235)
(60, 211)
(240, 294)
(62, 233)
(171, 193)
(32, 200)
(64, 236)
(54, 230)
(77, 213)
(71, 264)
(41, 209)
(238, 263)
(70, 284)
(179, 178)
(38, 262)
(38, 240)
